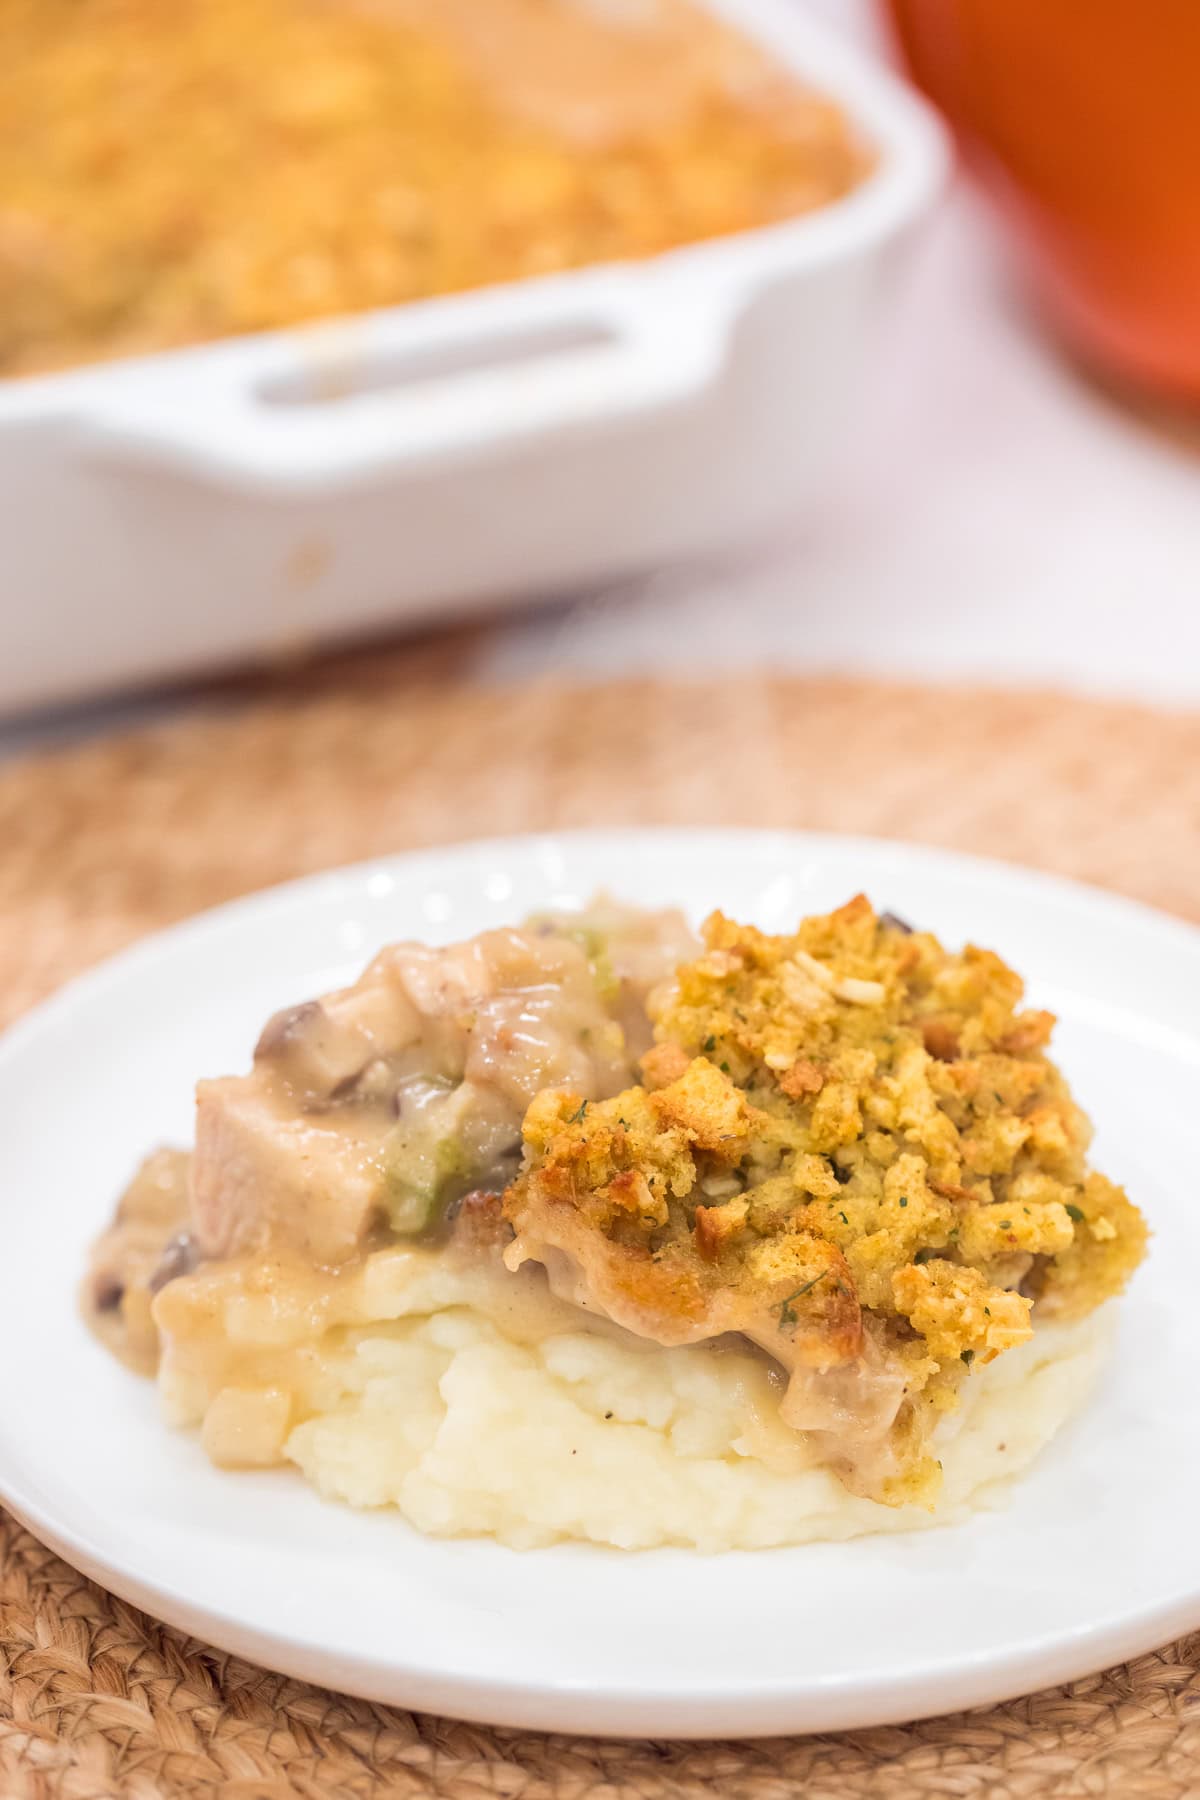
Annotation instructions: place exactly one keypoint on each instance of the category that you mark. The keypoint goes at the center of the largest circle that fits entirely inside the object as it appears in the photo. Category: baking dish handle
(462, 396)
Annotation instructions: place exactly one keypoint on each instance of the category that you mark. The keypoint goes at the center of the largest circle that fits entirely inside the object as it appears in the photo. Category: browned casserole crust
(171, 173)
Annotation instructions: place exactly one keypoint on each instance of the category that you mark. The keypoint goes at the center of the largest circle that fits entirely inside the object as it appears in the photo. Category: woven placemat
(379, 753)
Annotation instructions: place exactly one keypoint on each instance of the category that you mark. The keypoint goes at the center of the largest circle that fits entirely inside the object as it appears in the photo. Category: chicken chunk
(363, 1106)
(263, 1173)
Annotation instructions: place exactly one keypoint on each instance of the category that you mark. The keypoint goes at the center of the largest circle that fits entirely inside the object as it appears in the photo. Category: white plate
(1097, 1557)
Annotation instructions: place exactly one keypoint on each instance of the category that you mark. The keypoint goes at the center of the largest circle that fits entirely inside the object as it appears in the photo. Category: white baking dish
(208, 506)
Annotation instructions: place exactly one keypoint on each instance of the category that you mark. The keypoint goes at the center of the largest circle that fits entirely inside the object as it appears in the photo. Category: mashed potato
(579, 1436)
(476, 1404)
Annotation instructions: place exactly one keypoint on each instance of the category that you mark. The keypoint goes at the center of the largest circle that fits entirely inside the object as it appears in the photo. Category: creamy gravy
(368, 1113)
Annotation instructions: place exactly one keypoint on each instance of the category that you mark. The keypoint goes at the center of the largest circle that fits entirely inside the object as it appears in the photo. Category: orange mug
(1082, 119)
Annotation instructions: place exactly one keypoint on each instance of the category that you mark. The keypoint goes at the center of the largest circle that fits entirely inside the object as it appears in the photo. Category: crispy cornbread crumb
(861, 1157)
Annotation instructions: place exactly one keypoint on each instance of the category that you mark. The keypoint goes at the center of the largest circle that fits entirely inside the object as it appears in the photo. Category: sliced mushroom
(108, 1291)
(283, 1028)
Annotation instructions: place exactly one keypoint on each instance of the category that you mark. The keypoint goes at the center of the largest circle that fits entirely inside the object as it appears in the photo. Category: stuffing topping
(850, 1146)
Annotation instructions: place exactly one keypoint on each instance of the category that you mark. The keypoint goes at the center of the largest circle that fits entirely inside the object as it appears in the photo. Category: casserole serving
(588, 1228)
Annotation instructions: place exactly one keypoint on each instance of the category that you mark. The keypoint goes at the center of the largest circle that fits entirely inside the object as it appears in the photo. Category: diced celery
(416, 1178)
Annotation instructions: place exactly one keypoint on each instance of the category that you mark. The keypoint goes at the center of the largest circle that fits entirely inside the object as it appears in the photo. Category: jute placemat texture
(385, 752)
